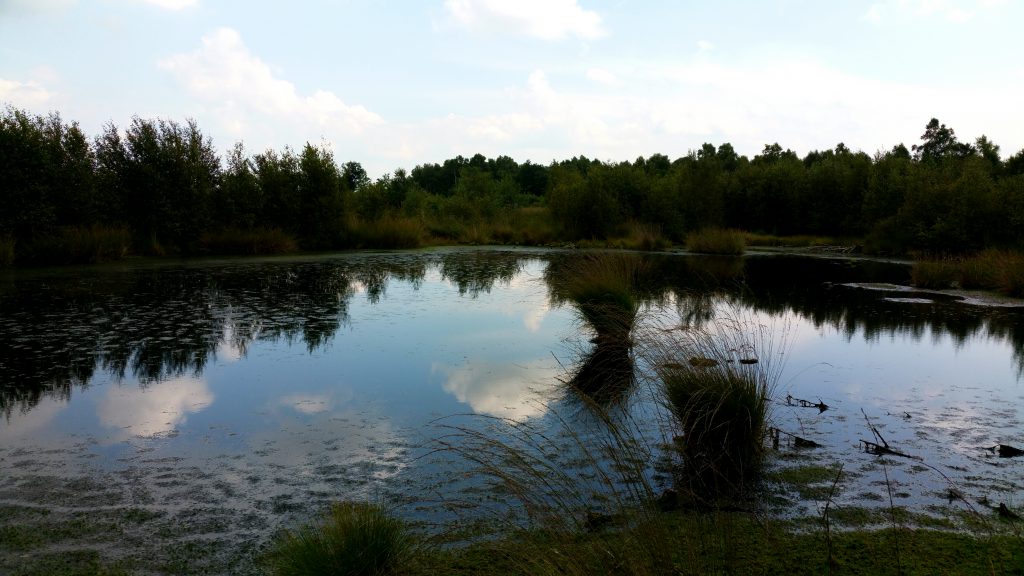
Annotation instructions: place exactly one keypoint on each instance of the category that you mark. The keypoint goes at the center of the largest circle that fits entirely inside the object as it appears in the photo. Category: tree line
(158, 186)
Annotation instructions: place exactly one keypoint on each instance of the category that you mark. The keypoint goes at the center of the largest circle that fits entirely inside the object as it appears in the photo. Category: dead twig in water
(883, 448)
(792, 401)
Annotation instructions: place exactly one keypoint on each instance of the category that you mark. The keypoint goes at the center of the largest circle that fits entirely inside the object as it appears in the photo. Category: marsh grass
(716, 241)
(257, 241)
(603, 290)
(78, 245)
(717, 381)
(391, 232)
(6, 252)
(355, 539)
(999, 270)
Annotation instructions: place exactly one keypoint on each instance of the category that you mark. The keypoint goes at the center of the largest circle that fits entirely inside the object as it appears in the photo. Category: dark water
(224, 399)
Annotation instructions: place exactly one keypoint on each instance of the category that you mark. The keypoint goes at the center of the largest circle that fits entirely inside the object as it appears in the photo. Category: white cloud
(705, 46)
(31, 423)
(245, 91)
(172, 4)
(154, 410)
(602, 76)
(546, 19)
(29, 94)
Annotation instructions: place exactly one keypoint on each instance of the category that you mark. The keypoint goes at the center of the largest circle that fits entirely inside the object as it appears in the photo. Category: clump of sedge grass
(717, 381)
(716, 241)
(355, 539)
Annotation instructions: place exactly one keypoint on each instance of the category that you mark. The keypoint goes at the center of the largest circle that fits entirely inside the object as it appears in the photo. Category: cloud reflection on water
(505, 390)
(154, 410)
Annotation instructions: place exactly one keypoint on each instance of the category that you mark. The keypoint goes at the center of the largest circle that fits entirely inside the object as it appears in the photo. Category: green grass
(716, 241)
(998, 270)
(731, 543)
(355, 539)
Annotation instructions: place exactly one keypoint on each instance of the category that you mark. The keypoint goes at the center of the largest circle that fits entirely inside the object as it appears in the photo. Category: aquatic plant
(355, 539)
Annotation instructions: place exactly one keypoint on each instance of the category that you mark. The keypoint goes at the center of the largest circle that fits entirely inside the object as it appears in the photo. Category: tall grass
(258, 241)
(717, 380)
(716, 241)
(355, 539)
(6, 251)
(391, 232)
(999, 270)
(79, 245)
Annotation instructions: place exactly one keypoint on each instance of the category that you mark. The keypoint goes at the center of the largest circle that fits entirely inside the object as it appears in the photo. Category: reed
(716, 241)
(998, 270)
(391, 232)
(6, 252)
(258, 241)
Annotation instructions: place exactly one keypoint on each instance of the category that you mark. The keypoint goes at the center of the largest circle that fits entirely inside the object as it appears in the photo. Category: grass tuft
(356, 539)
(716, 241)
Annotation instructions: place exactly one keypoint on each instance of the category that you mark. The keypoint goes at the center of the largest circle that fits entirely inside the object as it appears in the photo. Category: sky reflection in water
(291, 383)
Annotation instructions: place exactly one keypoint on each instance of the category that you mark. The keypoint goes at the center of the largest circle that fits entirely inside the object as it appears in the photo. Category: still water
(220, 400)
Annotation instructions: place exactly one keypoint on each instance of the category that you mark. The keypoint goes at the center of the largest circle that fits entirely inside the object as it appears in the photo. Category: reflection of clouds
(307, 403)
(502, 390)
(228, 349)
(154, 410)
(39, 417)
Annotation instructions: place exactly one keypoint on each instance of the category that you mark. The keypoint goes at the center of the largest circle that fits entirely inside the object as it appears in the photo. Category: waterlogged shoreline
(236, 449)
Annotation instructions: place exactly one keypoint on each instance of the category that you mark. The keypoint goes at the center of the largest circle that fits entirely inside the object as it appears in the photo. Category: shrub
(716, 241)
(356, 539)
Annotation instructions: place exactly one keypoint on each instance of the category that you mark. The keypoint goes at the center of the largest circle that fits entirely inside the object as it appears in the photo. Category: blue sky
(397, 83)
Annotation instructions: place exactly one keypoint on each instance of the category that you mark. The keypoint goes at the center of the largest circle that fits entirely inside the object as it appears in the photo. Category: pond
(181, 413)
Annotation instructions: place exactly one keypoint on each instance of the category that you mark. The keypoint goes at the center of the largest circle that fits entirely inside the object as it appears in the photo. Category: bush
(716, 241)
(356, 539)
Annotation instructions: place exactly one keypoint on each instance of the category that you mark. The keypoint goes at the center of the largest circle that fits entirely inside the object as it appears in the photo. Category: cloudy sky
(398, 83)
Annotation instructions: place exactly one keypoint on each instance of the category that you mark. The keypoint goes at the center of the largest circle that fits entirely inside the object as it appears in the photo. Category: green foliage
(163, 182)
(354, 540)
(716, 241)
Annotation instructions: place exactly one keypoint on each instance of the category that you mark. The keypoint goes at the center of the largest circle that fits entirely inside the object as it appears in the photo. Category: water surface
(220, 400)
